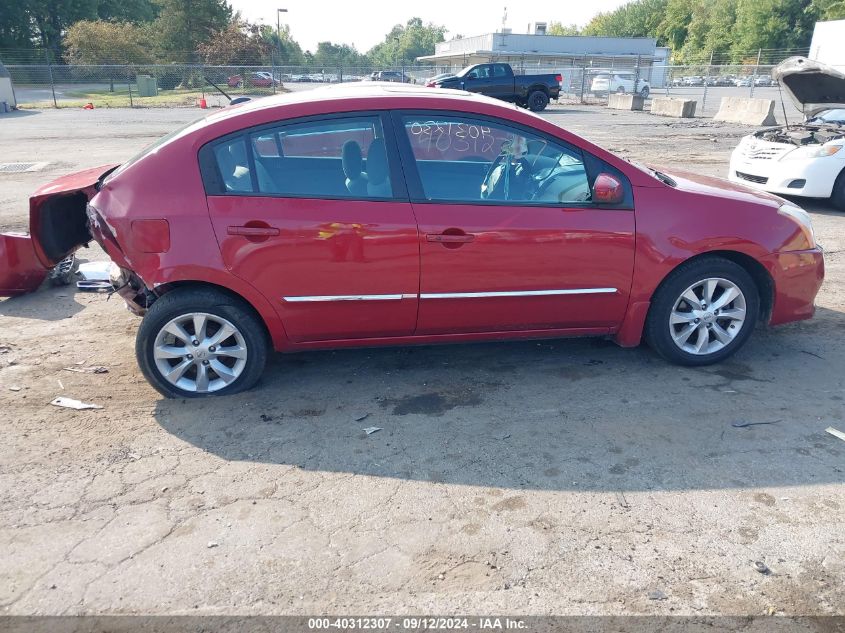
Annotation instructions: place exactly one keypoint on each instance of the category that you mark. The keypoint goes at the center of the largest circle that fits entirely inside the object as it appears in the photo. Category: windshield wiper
(663, 177)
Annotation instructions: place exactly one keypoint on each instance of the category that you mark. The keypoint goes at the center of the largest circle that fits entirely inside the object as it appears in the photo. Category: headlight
(813, 151)
(802, 219)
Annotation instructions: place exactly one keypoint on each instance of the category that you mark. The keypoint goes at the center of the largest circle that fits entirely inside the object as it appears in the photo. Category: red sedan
(258, 80)
(376, 215)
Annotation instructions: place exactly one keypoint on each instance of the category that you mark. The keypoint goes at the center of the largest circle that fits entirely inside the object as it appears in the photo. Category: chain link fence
(583, 81)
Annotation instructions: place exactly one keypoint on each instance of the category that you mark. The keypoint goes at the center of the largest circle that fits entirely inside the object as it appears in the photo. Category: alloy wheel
(707, 316)
(200, 352)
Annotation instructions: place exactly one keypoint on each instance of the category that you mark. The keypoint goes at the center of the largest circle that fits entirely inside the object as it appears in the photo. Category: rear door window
(333, 158)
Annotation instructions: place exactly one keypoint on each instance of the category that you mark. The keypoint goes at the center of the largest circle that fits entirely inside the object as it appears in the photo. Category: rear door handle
(253, 231)
(447, 238)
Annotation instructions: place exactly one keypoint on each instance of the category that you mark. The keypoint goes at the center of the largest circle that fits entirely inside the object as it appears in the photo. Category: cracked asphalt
(554, 477)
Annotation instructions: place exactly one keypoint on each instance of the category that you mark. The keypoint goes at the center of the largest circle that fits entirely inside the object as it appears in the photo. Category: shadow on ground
(554, 415)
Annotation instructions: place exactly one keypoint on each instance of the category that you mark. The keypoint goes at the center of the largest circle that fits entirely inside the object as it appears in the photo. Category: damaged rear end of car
(58, 226)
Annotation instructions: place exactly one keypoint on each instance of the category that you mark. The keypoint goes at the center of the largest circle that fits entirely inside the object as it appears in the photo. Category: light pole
(279, 30)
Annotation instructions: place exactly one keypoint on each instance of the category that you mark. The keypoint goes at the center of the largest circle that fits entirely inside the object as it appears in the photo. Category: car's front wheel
(703, 313)
(644, 92)
(837, 196)
(196, 342)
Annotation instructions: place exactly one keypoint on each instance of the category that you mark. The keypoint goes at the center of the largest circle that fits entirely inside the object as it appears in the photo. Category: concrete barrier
(747, 111)
(618, 101)
(678, 108)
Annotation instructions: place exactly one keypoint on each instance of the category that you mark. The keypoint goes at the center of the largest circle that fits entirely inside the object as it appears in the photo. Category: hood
(719, 187)
(812, 86)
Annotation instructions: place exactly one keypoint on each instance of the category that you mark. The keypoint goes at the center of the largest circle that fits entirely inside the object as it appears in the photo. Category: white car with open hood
(806, 159)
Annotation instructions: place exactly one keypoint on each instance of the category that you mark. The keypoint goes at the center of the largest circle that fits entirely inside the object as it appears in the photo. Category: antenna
(504, 19)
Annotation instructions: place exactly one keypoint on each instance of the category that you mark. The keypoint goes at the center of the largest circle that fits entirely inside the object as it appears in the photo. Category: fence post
(340, 74)
(129, 85)
(50, 71)
(756, 70)
(706, 79)
(637, 75)
(583, 76)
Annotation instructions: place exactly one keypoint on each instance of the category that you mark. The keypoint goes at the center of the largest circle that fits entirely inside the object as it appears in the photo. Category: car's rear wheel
(620, 90)
(537, 101)
(197, 342)
(703, 313)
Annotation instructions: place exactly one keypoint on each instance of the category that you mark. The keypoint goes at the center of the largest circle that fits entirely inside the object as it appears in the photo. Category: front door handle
(449, 238)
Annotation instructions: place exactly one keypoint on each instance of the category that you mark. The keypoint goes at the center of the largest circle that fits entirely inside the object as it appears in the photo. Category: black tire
(240, 84)
(657, 330)
(620, 90)
(213, 302)
(645, 92)
(837, 196)
(537, 101)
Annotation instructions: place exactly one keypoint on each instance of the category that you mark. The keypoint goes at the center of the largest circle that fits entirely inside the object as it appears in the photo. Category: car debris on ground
(70, 403)
(835, 433)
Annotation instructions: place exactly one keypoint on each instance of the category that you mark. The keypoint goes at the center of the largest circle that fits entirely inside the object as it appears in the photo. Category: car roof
(363, 95)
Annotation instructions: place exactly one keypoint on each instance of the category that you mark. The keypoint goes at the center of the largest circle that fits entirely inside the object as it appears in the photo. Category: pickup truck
(497, 80)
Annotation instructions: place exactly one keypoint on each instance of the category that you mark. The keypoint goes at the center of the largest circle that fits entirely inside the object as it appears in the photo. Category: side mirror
(608, 190)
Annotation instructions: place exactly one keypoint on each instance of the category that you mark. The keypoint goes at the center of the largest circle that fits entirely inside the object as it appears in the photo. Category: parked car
(391, 76)
(742, 82)
(763, 80)
(619, 81)
(364, 215)
(256, 79)
(804, 159)
(499, 81)
(430, 83)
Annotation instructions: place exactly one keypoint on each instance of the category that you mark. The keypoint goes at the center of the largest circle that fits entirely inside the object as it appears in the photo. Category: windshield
(463, 73)
(830, 116)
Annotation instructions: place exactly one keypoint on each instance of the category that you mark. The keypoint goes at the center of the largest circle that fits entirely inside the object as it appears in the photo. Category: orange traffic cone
(203, 103)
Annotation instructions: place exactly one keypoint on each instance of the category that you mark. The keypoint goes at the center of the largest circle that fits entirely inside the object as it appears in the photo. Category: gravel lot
(559, 477)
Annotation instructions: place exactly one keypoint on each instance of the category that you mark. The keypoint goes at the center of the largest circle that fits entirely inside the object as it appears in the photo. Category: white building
(7, 90)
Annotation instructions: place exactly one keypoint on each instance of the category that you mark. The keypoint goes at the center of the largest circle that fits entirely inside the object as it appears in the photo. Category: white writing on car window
(447, 135)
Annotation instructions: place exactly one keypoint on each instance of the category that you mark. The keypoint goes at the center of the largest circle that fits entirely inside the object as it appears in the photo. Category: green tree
(557, 28)
(50, 18)
(135, 11)
(182, 25)
(101, 42)
(771, 24)
(285, 49)
(407, 42)
(673, 27)
(640, 18)
(328, 54)
(16, 29)
(240, 43)
(829, 9)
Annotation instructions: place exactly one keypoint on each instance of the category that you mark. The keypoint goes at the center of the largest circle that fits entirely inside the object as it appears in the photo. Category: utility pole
(279, 30)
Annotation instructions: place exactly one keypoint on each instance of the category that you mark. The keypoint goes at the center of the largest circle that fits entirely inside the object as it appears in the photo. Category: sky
(365, 24)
